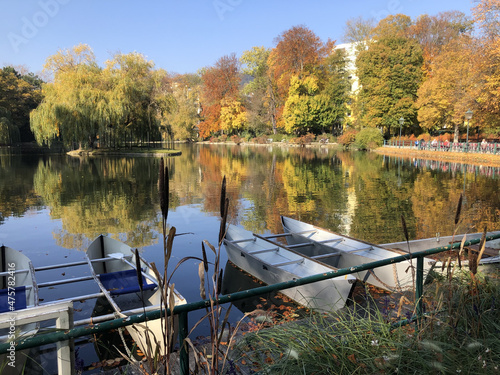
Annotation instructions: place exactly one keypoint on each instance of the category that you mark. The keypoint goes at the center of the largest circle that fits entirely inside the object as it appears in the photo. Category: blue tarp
(123, 282)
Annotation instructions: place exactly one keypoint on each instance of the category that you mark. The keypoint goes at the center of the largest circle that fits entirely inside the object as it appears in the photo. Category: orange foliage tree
(487, 17)
(218, 82)
(435, 32)
(298, 52)
(447, 94)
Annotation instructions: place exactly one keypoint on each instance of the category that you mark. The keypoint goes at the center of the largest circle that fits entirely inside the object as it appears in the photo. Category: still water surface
(52, 207)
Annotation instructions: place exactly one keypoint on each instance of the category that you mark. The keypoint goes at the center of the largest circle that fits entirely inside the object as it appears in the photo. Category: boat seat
(19, 297)
(296, 261)
(263, 250)
(123, 282)
(323, 256)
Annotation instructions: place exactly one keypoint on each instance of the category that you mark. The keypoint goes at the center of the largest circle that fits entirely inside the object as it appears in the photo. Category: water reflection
(50, 205)
(358, 194)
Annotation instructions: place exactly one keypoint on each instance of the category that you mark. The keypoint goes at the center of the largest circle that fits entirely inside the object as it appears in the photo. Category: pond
(52, 207)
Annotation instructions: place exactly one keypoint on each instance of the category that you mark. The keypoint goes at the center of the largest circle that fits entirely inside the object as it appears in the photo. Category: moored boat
(489, 261)
(113, 265)
(273, 264)
(341, 251)
(18, 291)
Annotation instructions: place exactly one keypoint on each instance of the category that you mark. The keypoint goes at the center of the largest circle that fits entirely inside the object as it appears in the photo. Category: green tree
(390, 73)
(336, 89)
(260, 97)
(184, 115)
(369, 138)
(19, 94)
(306, 109)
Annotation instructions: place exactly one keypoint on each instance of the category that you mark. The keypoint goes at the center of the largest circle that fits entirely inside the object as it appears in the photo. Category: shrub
(223, 137)
(261, 139)
(236, 139)
(369, 138)
(348, 138)
(304, 139)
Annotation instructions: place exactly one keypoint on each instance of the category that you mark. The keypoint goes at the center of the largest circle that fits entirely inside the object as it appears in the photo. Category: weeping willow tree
(124, 101)
(139, 96)
(8, 132)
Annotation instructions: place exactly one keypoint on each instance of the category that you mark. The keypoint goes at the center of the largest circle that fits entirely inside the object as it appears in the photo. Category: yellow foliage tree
(233, 116)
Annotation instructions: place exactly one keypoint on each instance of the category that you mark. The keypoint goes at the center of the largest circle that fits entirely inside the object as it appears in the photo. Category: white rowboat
(18, 291)
(113, 266)
(274, 264)
(490, 261)
(339, 251)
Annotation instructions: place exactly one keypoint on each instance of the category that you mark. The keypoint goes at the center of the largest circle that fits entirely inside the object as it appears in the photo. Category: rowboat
(273, 264)
(113, 267)
(489, 261)
(17, 281)
(18, 291)
(339, 251)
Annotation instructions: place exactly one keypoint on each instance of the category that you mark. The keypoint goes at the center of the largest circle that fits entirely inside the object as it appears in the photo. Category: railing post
(183, 333)
(419, 288)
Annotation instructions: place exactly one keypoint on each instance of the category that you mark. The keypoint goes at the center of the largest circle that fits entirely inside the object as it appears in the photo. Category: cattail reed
(222, 230)
(138, 270)
(163, 190)
(223, 197)
(405, 228)
(459, 209)
(204, 254)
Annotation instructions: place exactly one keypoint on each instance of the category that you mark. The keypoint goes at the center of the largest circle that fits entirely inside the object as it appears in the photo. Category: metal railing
(183, 310)
(471, 147)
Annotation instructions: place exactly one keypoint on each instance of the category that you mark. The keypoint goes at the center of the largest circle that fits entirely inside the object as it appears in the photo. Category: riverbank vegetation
(427, 71)
(458, 335)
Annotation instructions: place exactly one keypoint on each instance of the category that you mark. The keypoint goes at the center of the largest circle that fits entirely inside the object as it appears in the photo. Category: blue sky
(180, 36)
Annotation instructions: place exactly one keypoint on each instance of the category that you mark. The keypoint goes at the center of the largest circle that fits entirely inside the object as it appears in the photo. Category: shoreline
(454, 157)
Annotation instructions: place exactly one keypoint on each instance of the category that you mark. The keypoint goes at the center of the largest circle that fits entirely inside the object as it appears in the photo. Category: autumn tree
(298, 52)
(260, 94)
(184, 114)
(447, 94)
(433, 33)
(390, 74)
(358, 31)
(218, 82)
(487, 58)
